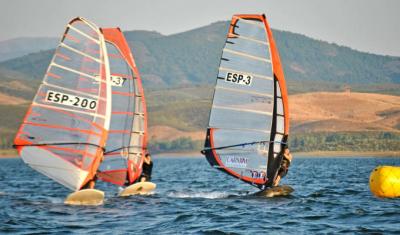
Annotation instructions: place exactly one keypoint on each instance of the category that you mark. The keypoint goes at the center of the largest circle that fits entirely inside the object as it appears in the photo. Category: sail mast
(281, 110)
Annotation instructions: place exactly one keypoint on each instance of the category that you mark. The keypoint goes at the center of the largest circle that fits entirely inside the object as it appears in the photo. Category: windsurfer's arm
(92, 183)
(147, 159)
(289, 157)
(287, 154)
(277, 180)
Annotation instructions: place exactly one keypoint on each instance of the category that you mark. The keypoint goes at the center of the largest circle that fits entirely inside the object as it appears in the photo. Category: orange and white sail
(126, 144)
(64, 132)
(249, 119)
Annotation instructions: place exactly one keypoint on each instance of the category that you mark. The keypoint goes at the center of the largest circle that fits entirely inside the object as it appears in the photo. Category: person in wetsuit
(285, 164)
(146, 168)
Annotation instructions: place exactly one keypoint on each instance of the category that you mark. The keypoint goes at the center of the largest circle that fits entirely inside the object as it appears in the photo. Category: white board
(85, 197)
(141, 188)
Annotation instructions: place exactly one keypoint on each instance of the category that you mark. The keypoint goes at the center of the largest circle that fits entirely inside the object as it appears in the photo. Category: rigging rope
(121, 148)
(243, 144)
(64, 143)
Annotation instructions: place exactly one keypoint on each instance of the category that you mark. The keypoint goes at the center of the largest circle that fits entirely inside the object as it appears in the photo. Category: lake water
(331, 196)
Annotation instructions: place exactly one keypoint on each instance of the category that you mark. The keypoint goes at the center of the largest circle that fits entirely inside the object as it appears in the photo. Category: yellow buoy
(385, 181)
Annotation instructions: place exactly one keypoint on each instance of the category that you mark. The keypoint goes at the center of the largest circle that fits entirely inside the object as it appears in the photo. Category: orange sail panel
(65, 129)
(249, 122)
(126, 142)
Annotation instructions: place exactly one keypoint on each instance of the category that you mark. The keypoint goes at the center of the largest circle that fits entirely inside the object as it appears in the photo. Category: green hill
(192, 57)
(15, 84)
(308, 59)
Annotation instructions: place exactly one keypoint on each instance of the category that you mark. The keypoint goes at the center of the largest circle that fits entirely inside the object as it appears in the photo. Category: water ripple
(331, 196)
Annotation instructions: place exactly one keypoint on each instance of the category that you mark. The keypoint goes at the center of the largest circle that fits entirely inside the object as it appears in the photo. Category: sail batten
(248, 38)
(75, 71)
(247, 55)
(67, 109)
(83, 34)
(243, 91)
(79, 52)
(242, 110)
(248, 124)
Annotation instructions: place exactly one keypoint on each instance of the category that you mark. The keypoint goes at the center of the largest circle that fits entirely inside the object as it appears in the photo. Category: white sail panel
(247, 118)
(65, 129)
(242, 113)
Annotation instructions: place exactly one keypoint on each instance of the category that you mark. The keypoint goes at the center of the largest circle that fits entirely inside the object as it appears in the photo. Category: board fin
(85, 197)
(141, 188)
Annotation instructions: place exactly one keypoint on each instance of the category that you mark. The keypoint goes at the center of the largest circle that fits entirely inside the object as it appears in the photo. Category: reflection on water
(331, 195)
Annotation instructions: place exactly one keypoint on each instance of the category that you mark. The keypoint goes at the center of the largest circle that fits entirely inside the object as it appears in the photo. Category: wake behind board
(86, 197)
(141, 188)
(276, 191)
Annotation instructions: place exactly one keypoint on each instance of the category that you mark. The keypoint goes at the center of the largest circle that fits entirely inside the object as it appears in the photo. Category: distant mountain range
(18, 47)
(192, 58)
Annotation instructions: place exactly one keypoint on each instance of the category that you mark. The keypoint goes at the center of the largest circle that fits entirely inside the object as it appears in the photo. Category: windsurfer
(91, 183)
(147, 168)
(283, 170)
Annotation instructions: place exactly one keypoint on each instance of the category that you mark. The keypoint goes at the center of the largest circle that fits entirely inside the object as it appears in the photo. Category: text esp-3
(237, 78)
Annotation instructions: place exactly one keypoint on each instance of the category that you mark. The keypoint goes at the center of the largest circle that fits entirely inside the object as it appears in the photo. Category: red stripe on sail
(88, 90)
(122, 93)
(72, 38)
(90, 70)
(117, 176)
(53, 75)
(122, 75)
(62, 128)
(63, 56)
(119, 131)
(69, 150)
(115, 56)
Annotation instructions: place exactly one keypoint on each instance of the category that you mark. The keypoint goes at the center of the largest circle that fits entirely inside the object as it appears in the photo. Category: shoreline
(12, 153)
(347, 154)
(179, 154)
(8, 153)
(300, 154)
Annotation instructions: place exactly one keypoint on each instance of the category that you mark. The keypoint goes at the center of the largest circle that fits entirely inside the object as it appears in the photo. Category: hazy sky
(366, 25)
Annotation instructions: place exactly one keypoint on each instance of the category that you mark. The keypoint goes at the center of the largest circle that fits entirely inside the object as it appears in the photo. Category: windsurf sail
(249, 119)
(64, 132)
(126, 144)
